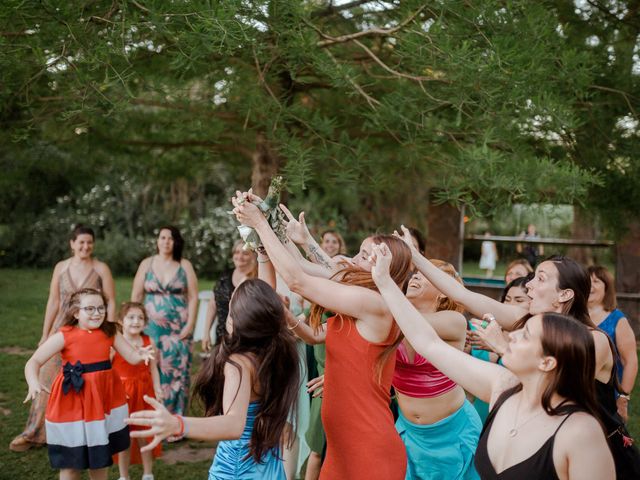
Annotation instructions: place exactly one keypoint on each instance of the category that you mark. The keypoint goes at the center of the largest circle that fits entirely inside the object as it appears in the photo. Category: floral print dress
(167, 308)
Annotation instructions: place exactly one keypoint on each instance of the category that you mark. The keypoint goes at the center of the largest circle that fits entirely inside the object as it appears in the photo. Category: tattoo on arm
(319, 256)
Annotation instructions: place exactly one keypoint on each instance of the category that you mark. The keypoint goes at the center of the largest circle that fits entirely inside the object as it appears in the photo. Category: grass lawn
(23, 295)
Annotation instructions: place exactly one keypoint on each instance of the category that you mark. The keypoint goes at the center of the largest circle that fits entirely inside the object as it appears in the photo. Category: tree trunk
(583, 227)
(628, 275)
(445, 234)
(265, 165)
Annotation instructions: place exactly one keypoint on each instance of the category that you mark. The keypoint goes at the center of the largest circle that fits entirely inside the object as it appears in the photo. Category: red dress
(137, 382)
(85, 414)
(362, 441)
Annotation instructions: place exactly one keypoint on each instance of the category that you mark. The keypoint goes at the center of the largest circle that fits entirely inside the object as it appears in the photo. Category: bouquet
(271, 210)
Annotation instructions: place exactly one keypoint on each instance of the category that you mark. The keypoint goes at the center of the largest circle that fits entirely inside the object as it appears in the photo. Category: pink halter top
(419, 379)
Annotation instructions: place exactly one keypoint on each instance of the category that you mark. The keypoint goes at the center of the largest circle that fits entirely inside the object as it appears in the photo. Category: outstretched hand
(147, 353)
(406, 238)
(160, 421)
(381, 259)
(296, 229)
(245, 208)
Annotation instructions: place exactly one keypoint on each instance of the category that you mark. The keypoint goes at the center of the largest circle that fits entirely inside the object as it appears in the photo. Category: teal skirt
(443, 450)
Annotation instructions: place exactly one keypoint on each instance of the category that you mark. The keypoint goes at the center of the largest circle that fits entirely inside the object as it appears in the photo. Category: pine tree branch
(331, 9)
(380, 32)
(415, 78)
(373, 103)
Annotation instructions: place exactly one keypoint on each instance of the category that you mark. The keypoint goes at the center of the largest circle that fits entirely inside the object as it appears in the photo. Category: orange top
(126, 370)
(362, 442)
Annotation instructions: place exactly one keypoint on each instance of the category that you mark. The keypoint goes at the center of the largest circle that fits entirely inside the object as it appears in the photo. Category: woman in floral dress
(168, 286)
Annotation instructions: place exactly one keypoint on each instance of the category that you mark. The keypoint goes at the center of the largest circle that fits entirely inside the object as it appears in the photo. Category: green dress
(167, 308)
(315, 433)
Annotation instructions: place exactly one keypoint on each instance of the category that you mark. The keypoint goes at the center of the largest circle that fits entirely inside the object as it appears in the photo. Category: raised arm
(297, 324)
(480, 378)
(476, 303)
(298, 233)
(266, 271)
(357, 302)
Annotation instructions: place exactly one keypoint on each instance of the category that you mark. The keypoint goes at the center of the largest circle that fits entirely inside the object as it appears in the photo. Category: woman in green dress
(167, 284)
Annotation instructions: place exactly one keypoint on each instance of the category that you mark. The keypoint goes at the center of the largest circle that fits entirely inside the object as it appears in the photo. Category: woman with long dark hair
(543, 422)
(361, 340)
(167, 284)
(79, 271)
(248, 387)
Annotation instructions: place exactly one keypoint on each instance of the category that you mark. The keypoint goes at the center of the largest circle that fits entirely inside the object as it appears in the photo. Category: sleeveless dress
(167, 308)
(362, 442)
(232, 460)
(137, 382)
(537, 466)
(34, 431)
(488, 256)
(87, 407)
(609, 325)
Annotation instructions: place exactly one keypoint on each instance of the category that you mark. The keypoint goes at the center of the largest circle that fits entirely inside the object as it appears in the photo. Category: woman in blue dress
(605, 314)
(248, 387)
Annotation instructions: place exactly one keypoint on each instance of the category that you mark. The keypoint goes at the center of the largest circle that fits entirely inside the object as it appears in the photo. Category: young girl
(84, 419)
(248, 387)
(138, 380)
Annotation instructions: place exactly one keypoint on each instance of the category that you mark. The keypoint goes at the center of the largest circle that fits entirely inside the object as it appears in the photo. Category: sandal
(21, 444)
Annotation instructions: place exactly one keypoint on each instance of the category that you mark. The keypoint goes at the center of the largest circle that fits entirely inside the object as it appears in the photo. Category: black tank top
(537, 466)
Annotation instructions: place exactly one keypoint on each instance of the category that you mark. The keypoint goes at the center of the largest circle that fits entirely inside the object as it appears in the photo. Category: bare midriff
(425, 411)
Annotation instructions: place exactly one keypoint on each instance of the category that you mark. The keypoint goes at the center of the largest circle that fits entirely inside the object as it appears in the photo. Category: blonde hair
(444, 302)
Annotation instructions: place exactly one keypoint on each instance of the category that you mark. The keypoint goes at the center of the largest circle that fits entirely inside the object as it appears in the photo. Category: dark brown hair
(178, 241)
(400, 271)
(73, 305)
(571, 343)
(259, 334)
(573, 276)
(81, 229)
(609, 302)
(124, 309)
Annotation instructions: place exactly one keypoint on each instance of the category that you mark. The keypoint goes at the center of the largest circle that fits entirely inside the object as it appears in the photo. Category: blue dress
(609, 325)
(232, 462)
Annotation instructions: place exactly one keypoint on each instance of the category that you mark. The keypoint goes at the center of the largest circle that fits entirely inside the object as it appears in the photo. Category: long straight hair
(259, 334)
(571, 343)
(399, 270)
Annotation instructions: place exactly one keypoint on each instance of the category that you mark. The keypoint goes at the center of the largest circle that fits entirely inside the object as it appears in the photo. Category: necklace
(514, 431)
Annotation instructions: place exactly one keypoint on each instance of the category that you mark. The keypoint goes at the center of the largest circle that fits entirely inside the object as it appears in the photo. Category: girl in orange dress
(138, 380)
(84, 419)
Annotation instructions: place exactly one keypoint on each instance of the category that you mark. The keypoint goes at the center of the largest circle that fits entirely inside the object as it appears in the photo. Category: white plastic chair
(204, 297)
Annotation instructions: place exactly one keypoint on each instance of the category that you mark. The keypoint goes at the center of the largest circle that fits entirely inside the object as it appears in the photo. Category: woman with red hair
(361, 339)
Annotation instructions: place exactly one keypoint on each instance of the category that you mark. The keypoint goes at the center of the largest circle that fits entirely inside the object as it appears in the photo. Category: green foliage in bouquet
(271, 210)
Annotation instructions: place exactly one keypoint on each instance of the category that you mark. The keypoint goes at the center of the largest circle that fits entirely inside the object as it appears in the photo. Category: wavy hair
(73, 305)
(260, 335)
(400, 271)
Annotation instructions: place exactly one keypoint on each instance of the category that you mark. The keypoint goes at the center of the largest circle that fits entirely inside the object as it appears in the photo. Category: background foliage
(371, 109)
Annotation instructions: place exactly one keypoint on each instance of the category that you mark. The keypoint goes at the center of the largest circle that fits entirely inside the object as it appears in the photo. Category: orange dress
(362, 441)
(87, 406)
(137, 382)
